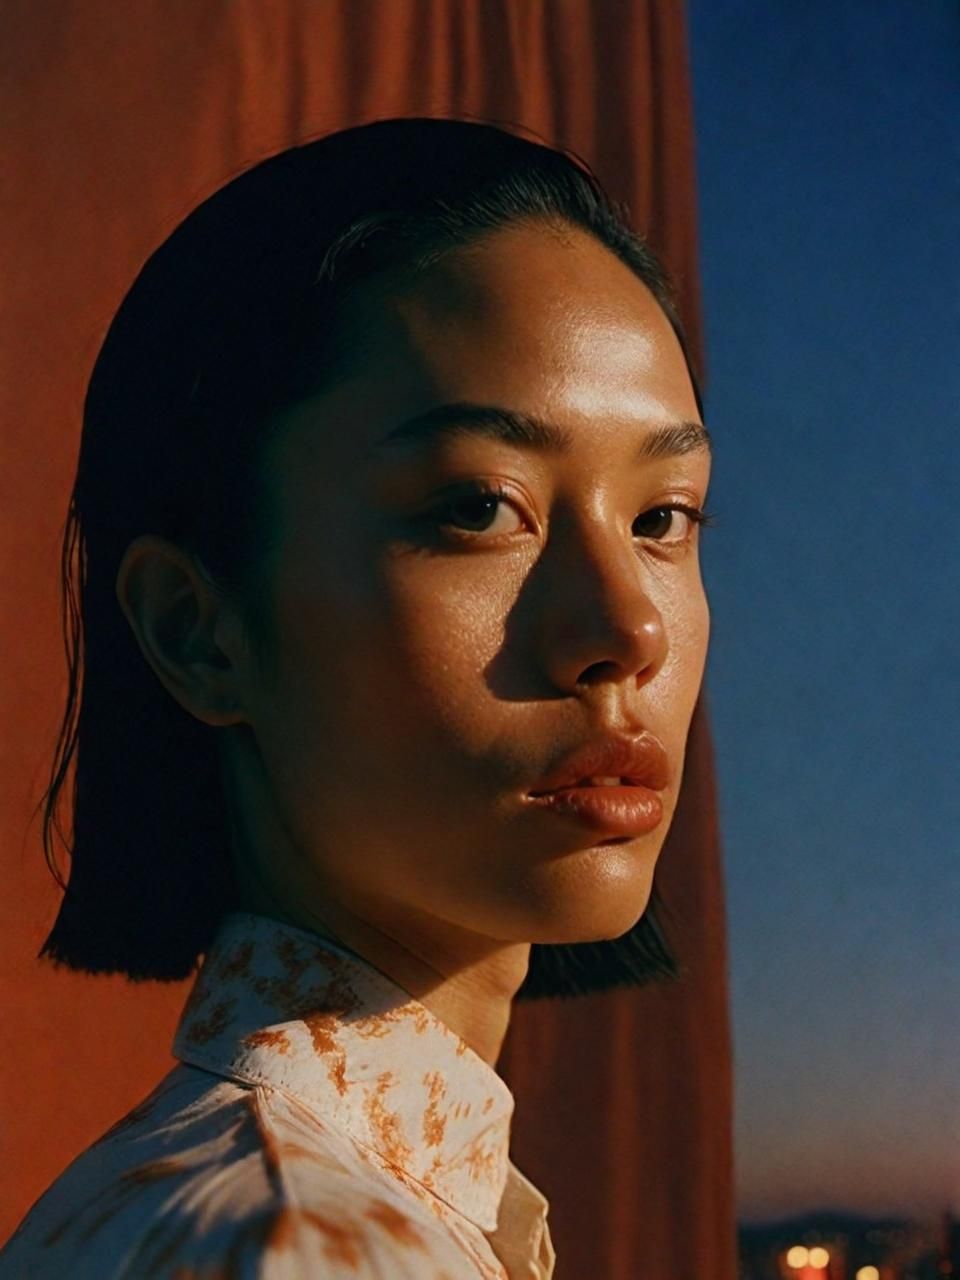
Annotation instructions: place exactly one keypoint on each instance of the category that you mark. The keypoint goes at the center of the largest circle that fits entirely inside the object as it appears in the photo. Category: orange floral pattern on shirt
(318, 1116)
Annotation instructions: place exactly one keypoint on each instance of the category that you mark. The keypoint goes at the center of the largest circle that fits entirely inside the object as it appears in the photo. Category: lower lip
(615, 811)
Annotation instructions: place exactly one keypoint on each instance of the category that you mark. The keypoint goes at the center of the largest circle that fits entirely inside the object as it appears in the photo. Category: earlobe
(173, 613)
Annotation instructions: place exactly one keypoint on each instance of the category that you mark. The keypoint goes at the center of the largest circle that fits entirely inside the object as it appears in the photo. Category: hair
(240, 313)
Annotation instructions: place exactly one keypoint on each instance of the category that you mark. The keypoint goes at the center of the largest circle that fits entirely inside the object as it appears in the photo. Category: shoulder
(227, 1180)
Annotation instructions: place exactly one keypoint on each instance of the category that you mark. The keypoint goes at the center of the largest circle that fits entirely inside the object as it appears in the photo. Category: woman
(385, 535)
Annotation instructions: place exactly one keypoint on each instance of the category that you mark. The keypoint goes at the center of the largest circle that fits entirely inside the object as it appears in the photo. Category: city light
(799, 1256)
(836, 1247)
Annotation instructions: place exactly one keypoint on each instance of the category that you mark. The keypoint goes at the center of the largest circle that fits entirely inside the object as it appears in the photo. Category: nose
(599, 623)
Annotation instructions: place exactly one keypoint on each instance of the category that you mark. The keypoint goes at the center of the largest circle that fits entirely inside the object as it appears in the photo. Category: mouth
(589, 782)
(616, 808)
(610, 784)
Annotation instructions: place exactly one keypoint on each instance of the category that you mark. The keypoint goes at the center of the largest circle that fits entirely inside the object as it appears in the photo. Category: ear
(185, 628)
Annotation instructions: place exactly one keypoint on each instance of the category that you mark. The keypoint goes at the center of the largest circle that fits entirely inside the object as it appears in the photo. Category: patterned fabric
(320, 1123)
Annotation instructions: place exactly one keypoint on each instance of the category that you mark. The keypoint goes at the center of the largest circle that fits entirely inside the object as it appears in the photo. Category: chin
(603, 926)
(593, 909)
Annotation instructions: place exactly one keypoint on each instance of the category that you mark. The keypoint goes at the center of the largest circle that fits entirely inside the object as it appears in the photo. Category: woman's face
(438, 651)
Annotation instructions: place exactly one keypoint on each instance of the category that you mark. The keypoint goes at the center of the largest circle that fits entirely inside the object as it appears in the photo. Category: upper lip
(640, 760)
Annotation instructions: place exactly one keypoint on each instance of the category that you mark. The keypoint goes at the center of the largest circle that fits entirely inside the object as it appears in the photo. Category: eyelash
(499, 492)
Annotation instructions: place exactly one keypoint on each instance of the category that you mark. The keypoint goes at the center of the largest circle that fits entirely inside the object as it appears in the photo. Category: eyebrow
(524, 430)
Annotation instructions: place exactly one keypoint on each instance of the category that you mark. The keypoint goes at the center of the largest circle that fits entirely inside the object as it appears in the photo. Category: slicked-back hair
(239, 314)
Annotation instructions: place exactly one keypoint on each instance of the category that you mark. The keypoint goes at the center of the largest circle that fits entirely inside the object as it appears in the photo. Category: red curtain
(118, 120)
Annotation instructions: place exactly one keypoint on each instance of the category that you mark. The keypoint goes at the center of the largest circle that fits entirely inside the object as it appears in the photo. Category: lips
(608, 811)
(639, 761)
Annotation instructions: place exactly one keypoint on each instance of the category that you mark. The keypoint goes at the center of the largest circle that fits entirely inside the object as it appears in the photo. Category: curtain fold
(119, 120)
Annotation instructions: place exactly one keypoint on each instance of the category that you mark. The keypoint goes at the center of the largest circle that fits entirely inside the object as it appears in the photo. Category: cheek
(693, 635)
(695, 628)
(443, 624)
(392, 649)
(686, 619)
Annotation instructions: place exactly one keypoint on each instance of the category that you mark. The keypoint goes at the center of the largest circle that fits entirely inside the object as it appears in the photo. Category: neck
(468, 981)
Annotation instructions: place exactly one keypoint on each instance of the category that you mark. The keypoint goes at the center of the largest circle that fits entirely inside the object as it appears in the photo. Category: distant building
(828, 1245)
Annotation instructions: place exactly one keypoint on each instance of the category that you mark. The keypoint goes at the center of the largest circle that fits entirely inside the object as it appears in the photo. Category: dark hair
(240, 313)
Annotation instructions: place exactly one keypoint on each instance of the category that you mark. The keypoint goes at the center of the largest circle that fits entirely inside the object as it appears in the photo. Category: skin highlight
(430, 669)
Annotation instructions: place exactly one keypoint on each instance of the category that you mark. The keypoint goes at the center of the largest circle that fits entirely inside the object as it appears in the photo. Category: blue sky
(828, 139)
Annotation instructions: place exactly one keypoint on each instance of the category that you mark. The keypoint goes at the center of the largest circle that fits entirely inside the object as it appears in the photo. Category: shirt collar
(275, 1004)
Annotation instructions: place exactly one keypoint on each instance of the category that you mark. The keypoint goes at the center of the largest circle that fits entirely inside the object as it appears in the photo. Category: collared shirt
(320, 1123)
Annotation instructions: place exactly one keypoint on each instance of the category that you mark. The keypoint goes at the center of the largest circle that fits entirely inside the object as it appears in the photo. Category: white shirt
(320, 1123)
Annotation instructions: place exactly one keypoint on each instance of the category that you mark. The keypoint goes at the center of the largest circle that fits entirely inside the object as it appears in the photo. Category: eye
(659, 521)
(482, 510)
(488, 509)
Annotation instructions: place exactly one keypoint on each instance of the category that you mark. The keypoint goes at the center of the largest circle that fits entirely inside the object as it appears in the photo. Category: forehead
(543, 320)
(539, 311)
